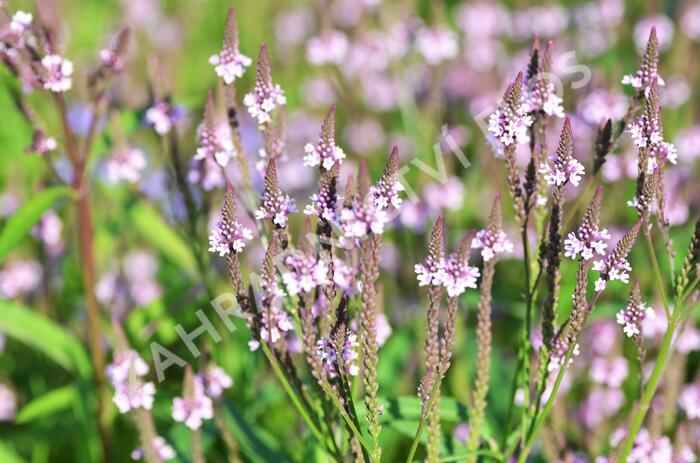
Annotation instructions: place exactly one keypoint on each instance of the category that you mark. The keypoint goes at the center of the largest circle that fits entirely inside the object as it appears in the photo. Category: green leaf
(255, 443)
(408, 408)
(154, 229)
(23, 324)
(8, 455)
(46, 405)
(19, 225)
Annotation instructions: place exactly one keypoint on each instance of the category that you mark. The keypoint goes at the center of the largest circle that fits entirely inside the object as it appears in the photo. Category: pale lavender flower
(664, 31)
(344, 276)
(492, 243)
(164, 451)
(276, 206)
(632, 317)
(193, 410)
(602, 104)
(215, 381)
(125, 165)
(329, 47)
(560, 345)
(615, 265)
(646, 132)
(56, 73)
(456, 275)
(688, 144)
(430, 272)
(325, 154)
(349, 355)
(544, 21)
(447, 195)
(266, 96)
(162, 115)
(228, 237)
(215, 140)
(562, 167)
(130, 392)
(383, 329)
(305, 273)
(364, 136)
(230, 63)
(541, 95)
(483, 20)
(41, 143)
(601, 403)
(690, 22)
(648, 71)
(611, 372)
(586, 241)
(648, 449)
(19, 277)
(207, 173)
(689, 401)
(8, 403)
(688, 340)
(509, 125)
(437, 44)
(363, 218)
(20, 23)
(274, 327)
(48, 231)
(461, 432)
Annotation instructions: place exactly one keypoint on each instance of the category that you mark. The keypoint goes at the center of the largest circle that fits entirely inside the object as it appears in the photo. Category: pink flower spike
(229, 63)
(266, 96)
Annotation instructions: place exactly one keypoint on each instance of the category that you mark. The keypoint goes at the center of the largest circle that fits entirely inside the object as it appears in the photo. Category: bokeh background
(405, 73)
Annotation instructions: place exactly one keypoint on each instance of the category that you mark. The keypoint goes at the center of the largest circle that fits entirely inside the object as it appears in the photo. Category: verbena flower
(215, 139)
(509, 125)
(215, 381)
(228, 237)
(648, 71)
(113, 57)
(56, 73)
(632, 317)
(8, 403)
(164, 451)
(230, 63)
(349, 355)
(41, 143)
(363, 218)
(689, 401)
(162, 116)
(125, 165)
(587, 241)
(323, 203)
(541, 95)
(305, 273)
(14, 32)
(456, 275)
(195, 409)
(385, 193)
(647, 133)
(492, 243)
(563, 168)
(615, 265)
(266, 96)
(326, 154)
(276, 206)
(130, 392)
(329, 47)
(609, 371)
(560, 346)
(437, 44)
(274, 327)
(19, 277)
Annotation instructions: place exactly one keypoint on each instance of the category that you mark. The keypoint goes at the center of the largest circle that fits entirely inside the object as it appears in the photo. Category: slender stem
(421, 423)
(649, 390)
(657, 271)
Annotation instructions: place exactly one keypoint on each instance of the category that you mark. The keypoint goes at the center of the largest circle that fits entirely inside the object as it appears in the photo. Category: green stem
(657, 271)
(421, 423)
(649, 390)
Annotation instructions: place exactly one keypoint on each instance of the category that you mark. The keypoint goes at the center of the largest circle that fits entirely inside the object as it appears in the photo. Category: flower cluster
(56, 73)
(646, 132)
(325, 154)
(164, 451)
(492, 243)
(363, 218)
(266, 96)
(228, 237)
(541, 95)
(632, 317)
(276, 206)
(19, 24)
(162, 115)
(215, 139)
(563, 167)
(329, 47)
(275, 325)
(648, 71)
(305, 273)
(560, 346)
(230, 63)
(215, 381)
(125, 164)
(41, 143)
(509, 125)
(689, 401)
(456, 275)
(322, 204)
(615, 265)
(193, 410)
(437, 44)
(587, 241)
(125, 373)
(349, 355)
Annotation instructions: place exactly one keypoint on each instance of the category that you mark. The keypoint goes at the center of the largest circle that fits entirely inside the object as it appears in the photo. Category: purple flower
(274, 327)
(609, 371)
(215, 141)
(456, 275)
(276, 206)
(266, 96)
(563, 168)
(125, 164)
(195, 409)
(19, 24)
(560, 346)
(56, 73)
(325, 154)
(8, 403)
(632, 317)
(509, 125)
(230, 63)
(130, 392)
(329, 47)
(363, 218)
(228, 237)
(648, 71)
(492, 243)
(689, 401)
(162, 115)
(541, 95)
(646, 133)
(437, 44)
(648, 449)
(306, 273)
(48, 231)
(41, 143)
(206, 172)
(349, 355)
(587, 241)
(19, 277)
(215, 381)
(164, 451)
(615, 265)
